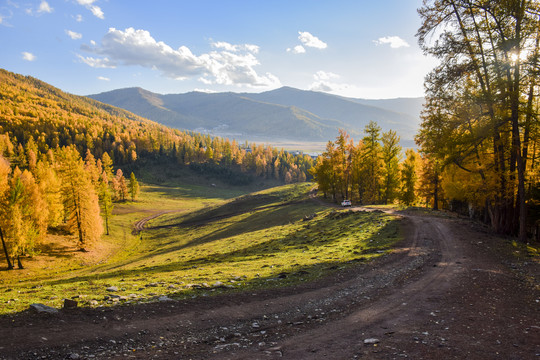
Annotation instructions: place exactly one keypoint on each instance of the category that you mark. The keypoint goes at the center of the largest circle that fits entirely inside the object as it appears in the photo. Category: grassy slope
(213, 238)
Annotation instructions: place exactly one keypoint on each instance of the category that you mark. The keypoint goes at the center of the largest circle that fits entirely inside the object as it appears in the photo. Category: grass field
(214, 239)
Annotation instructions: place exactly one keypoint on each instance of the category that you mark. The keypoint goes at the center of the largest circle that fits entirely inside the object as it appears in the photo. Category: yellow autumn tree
(80, 199)
(5, 171)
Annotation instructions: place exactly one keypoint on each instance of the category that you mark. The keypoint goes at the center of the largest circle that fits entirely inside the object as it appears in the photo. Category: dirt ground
(451, 290)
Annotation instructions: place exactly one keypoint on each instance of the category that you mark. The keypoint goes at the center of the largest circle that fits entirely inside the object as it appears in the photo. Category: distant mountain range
(283, 114)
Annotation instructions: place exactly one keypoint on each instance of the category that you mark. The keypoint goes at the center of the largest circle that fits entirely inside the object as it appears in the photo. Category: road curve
(439, 294)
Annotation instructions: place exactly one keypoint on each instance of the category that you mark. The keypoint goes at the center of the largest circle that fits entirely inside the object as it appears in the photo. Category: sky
(354, 48)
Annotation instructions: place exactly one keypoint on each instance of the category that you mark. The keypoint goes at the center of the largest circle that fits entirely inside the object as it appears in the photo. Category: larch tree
(134, 188)
(105, 200)
(391, 154)
(482, 100)
(107, 164)
(409, 177)
(26, 215)
(119, 186)
(430, 187)
(5, 171)
(80, 198)
(372, 168)
(50, 187)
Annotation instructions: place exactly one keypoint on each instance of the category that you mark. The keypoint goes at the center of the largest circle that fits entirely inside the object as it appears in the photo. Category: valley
(278, 273)
(277, 117)
(228, 251)
(270, 180)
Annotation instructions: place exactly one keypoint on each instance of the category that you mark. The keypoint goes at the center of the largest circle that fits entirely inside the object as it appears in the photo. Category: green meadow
(204, 238)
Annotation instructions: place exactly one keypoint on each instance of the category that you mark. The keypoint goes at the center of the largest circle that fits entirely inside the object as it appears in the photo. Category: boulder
(70, 304)
(40, 308)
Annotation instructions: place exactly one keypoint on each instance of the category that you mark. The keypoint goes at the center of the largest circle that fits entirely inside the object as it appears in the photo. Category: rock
(164, 298)
(40, 308)
(74, 356)
(218, 284)
(112, 288)
(94, 303)
(255, 325)
(371, 341)
(70, 304)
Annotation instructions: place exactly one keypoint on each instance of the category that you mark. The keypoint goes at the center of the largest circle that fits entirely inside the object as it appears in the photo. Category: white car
(346, 203)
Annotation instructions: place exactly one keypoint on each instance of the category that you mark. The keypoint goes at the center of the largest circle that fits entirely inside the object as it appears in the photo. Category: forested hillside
(59, 152)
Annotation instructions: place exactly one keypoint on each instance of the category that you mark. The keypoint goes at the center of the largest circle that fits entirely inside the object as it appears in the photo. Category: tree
(482, 101)
(372, 165)
(409, 177)
(431, 182)
(391, 154)
(105, 199)
(119, 186)
(107, 164)
(5, 171)
(50, 187)
(80, 199)
(133, 187)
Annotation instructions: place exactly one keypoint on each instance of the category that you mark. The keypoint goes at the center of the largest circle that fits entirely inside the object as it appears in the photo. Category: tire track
(141, 224)
(340, 338)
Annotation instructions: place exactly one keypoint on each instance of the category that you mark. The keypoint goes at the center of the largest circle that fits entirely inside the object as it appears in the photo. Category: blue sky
(357, 48)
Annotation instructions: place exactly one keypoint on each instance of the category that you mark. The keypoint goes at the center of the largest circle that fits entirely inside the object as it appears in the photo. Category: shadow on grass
(190, 192)
(271, 216)
(305, 238)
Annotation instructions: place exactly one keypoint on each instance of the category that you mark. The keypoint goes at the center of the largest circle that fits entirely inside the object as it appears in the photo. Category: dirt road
(447, 292)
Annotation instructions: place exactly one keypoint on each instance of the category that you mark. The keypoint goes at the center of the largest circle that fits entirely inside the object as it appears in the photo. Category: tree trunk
(10, 266)
(19, 263)
(79, 223)
(436, 193)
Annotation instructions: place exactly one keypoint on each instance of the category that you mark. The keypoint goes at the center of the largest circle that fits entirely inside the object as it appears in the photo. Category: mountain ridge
(284, 113)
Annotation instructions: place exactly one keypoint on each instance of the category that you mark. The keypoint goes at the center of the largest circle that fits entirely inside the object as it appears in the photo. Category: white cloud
(395, 42)
(207, 91)
(235, 48)
(311, 41)
(79, 18)
(96, 10)
(326, 82)
(228, 65)
(298, 49)
(5, 14)
(74, 35)
(28, 56)
(44, 7)
(324, 75)
(97, 63)
(321, 86)
(102, 78)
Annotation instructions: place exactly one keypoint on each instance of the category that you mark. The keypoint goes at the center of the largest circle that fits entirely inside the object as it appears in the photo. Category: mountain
(402, 115)
(281, 114)
(51, 118)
